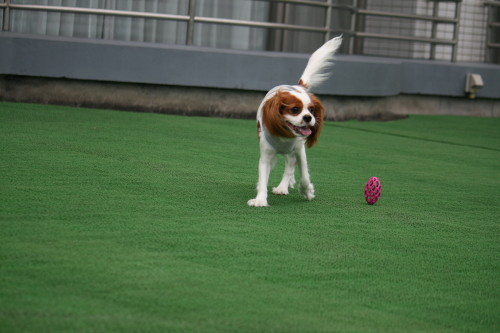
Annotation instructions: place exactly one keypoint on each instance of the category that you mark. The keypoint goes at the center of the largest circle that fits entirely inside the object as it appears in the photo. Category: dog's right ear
(319, 111)
(273, 118)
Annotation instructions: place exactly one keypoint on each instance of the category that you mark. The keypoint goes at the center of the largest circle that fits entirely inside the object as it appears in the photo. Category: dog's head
(294, 113)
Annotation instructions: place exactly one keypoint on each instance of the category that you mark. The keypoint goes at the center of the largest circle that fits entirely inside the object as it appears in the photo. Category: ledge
(189, 66)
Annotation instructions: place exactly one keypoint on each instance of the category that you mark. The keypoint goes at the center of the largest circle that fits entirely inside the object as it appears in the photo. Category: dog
(290, 118)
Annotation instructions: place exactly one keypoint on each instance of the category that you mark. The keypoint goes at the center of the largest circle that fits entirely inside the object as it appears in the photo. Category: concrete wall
(233, 103)
(193, 80)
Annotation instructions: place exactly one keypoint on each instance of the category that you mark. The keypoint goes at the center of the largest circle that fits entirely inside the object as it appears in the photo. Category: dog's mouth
(301, 131)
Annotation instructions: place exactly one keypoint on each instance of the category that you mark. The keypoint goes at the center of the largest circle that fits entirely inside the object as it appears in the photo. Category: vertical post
(285, 36)
(6, 16)
(359, 26)
(435, 13)
(458, 7)
(488, 32)
(190, 27)
(328, 21)
(353, 26)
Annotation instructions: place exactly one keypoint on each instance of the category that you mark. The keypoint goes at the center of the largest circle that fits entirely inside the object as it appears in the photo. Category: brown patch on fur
(302, 83)
(318, 113)
(289, 102)
(272, 114)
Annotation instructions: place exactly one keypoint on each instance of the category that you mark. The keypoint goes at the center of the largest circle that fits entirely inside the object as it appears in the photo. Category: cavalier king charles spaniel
(289, 119)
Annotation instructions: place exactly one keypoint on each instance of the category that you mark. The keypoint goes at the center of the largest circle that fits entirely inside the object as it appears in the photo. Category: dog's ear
(318, 113)
(272, 117)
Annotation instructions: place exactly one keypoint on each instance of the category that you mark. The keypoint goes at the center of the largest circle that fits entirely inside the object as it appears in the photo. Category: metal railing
(191, 19)
(433, 40)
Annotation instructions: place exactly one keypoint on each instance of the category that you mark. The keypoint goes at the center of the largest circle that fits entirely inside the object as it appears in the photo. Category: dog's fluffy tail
(315, 72)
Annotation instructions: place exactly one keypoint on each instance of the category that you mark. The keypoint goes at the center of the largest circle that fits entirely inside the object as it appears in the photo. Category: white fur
(266, 163)
(315, 72)
(292, 148)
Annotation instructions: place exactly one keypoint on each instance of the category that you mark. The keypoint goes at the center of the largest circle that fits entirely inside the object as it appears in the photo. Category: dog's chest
(281, 145)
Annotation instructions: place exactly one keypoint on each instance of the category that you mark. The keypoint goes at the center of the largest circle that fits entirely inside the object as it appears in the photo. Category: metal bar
(6, 16)
(487, 51)
(435, 12)
(328, 20)
(353, 28)
(494, 24)
(310, 3)
(190, 28)
(359, 27)
(492, 3)
(284, 35)
(406, 38)
(458, 10)
(257, 24)
(302, 2)
(94, 11)
(493, 45)
(407, 16)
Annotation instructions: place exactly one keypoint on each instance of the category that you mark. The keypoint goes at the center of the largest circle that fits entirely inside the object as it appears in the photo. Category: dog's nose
(307, 118)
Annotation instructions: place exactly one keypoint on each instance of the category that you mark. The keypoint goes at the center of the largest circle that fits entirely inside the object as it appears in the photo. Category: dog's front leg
(306, 188)
(265, 166)
(288, 179)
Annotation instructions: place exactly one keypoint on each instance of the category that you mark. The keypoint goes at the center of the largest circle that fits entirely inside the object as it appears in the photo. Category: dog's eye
(311, 109)
(295, 109)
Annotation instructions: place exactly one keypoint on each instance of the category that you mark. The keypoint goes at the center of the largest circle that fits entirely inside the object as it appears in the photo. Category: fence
(418, 29)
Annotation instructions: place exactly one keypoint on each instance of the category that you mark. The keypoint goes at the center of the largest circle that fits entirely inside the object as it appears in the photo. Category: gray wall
(128, 62)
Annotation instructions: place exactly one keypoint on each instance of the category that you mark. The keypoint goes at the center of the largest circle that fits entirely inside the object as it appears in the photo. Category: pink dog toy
(372, 190)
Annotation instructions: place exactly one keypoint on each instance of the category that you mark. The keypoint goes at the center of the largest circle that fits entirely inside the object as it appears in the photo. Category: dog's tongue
(305, 131)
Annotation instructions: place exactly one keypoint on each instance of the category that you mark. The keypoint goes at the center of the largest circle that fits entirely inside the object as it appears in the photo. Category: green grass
(129, 222)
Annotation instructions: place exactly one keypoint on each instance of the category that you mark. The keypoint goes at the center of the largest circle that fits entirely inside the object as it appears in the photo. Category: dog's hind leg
(306, 188)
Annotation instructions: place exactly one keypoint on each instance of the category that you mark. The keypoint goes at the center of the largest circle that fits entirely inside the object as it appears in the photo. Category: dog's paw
(257, 203)
(307, 190)
(280, 190)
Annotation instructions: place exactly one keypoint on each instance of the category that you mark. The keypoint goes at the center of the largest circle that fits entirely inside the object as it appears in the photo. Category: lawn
(132, 222)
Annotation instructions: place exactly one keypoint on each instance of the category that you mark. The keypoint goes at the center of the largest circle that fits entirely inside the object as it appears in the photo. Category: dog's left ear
(319, 111)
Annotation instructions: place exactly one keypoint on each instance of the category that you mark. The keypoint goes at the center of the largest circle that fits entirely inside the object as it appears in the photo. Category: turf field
(131, 222)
